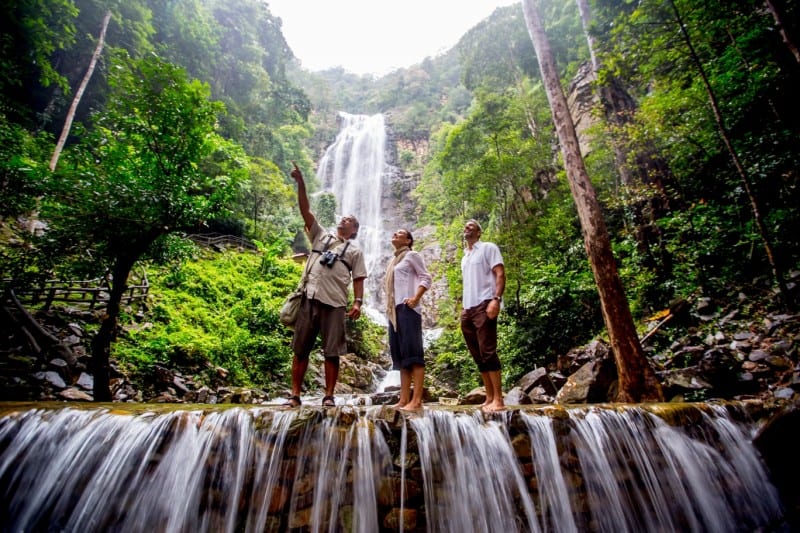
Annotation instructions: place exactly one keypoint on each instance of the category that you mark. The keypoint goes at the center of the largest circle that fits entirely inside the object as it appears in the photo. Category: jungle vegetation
(196, 108)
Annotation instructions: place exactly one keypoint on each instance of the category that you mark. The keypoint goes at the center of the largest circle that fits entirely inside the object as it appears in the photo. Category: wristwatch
(498, 298)
(359, 300)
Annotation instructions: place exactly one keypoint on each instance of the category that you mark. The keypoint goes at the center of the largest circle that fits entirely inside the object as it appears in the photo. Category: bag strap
(307, 269)
(304, 277)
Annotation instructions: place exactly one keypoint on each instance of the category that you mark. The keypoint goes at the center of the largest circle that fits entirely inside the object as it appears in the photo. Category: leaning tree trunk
(789, 39)
(101, 342)
(637, 380)
(79, 93)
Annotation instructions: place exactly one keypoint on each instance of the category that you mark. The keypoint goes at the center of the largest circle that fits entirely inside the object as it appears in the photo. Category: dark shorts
(480, 334)
(315, 318)
(405, 344)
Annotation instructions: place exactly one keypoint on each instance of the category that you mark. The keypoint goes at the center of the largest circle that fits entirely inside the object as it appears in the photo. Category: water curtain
(637, 468)
(353, 169)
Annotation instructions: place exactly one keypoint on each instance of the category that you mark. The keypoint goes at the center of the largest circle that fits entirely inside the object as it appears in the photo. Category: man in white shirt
(484, 278)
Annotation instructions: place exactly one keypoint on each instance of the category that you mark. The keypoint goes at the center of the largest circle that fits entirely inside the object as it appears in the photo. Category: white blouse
(409, 274)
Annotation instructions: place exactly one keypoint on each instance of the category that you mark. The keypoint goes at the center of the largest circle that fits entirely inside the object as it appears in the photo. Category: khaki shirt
(331, 285)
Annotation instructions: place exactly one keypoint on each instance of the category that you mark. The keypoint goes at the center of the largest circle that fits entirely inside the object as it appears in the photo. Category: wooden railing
(93, 293)
(218, 240)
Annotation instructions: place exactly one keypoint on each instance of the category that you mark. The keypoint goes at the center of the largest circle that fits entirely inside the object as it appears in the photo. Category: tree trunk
(777, 271)
(101, 342)
(637, 380)
(79, 93)
(648, 203)
(786, 33)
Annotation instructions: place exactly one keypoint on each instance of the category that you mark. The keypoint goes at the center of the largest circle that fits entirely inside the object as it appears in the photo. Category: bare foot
(399, 405)
(412, 406)
(494, 407)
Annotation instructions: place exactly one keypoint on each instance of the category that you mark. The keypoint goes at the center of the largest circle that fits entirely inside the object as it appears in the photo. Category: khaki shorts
(317, 318)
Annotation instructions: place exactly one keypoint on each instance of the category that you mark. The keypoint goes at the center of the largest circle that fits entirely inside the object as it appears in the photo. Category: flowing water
(353, 168)
(616, 469)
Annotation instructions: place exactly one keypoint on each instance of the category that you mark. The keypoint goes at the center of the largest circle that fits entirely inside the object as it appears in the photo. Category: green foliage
(710, 251)
(325, 209)
(21, 170)
(134, 176)
(495, 51)
(744, 67)
(366, 339)
(216, 310)
(265, 202)
(559, 309)
(31, 33)
(451, 362)
(498, 52)
(152, 166)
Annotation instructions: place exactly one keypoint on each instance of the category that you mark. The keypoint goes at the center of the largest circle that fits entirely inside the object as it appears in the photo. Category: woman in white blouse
(406, 281)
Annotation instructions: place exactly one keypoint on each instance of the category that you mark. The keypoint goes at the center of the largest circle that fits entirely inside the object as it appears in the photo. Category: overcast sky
(376, 36)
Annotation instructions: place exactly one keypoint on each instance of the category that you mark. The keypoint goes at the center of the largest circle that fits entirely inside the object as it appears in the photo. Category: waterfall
(353, 169)
(623, 468)
(471, 475)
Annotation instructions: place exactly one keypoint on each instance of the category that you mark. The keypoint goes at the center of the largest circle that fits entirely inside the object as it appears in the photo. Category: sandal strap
(296, 399)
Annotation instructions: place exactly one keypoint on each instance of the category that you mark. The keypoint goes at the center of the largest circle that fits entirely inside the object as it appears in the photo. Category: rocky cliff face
(400, 210)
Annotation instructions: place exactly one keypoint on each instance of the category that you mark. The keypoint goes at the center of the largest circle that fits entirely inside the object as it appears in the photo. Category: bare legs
(494, 391)
(298, 373)
(331, 374)
(417, 374)
(405, 389)
(299, 369)
(409, 402)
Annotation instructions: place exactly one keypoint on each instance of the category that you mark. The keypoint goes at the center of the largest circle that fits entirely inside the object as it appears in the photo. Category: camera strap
(325, 248)
(340, 256)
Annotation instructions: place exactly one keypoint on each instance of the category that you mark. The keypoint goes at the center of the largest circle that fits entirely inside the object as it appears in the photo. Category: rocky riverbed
(703, 350)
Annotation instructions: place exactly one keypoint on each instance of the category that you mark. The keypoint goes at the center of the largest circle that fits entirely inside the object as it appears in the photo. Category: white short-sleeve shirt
(476, 272)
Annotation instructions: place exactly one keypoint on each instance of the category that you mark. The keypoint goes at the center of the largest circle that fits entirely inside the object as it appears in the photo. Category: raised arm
(302, 197)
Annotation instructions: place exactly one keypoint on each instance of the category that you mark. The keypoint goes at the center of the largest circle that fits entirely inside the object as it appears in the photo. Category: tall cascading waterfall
(353, 168)
(665, 468)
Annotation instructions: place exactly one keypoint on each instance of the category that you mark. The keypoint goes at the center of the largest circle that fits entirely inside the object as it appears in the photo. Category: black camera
(328, 258)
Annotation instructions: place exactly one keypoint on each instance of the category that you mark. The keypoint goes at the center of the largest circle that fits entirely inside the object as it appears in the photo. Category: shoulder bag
(291, 307)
